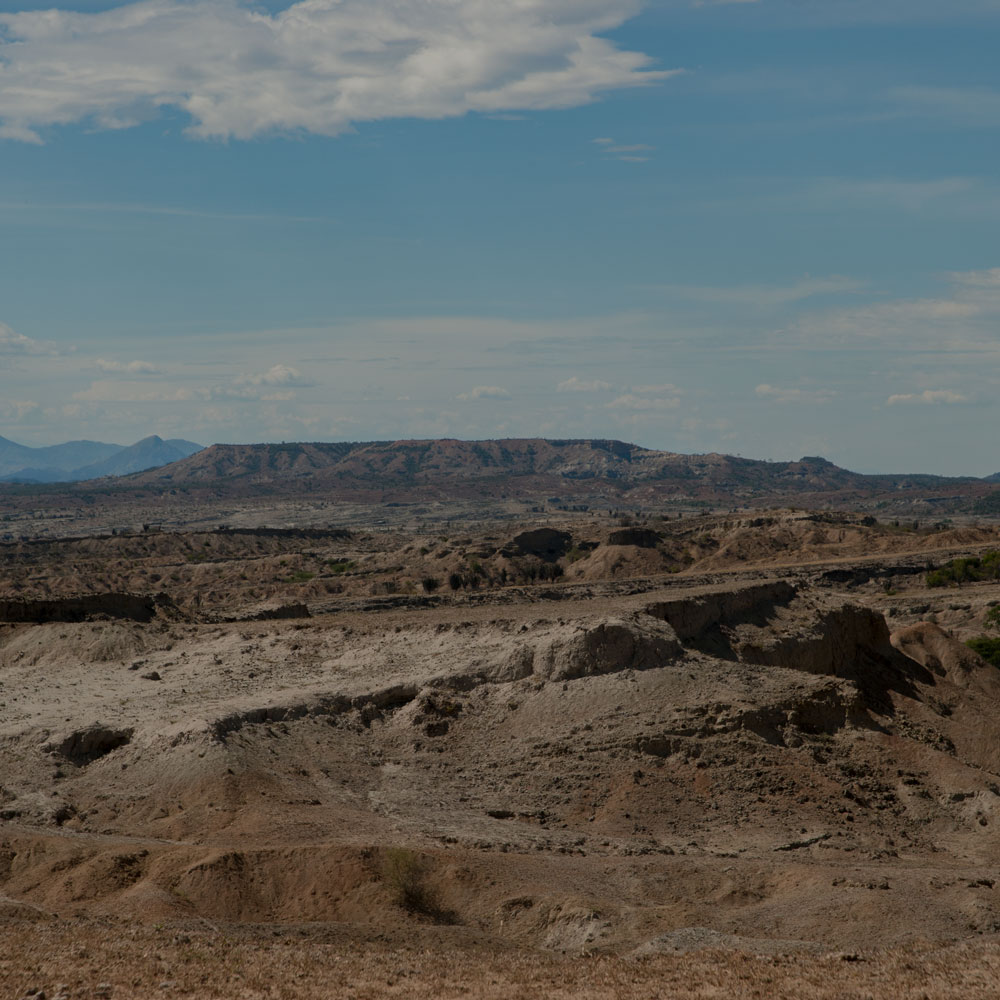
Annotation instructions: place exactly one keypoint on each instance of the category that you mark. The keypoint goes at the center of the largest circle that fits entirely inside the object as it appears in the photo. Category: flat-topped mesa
(407, 463)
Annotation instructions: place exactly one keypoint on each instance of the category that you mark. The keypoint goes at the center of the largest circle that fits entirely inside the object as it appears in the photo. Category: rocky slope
(759, 759)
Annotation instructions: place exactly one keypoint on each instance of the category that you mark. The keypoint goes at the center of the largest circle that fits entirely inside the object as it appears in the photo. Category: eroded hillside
(766, 737)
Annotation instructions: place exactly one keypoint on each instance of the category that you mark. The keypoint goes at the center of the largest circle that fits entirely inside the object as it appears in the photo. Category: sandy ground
(104, 959)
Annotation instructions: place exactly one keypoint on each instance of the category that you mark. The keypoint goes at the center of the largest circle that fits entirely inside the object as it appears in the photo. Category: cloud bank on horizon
(317, 66)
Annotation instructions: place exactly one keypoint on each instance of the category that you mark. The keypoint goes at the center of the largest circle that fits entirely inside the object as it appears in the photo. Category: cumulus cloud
(779, 395)
(575, 384)
(129, 367)
(277, 384)
(317, 66)
(275, 375)
(639, 403)
(484, 392)
(13, 343)
(929, 397)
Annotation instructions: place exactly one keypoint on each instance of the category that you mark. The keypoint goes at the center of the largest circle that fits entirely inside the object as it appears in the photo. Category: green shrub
(966, 570)
(341, 566)
(988, 647)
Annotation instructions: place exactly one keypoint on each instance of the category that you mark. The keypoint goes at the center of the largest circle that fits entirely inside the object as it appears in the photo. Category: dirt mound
(932, 647)
(621, 562)
(608, 647)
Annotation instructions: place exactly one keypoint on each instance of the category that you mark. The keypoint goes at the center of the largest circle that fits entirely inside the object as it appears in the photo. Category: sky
(760, 227)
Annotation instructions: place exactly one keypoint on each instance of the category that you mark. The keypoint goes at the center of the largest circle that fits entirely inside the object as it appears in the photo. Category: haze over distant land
(76, 460)
(759, 228)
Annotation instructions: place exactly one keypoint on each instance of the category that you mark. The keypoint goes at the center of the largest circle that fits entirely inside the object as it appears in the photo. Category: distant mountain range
(76, 460)
(423, 470)
(416, 462)
(595, 472)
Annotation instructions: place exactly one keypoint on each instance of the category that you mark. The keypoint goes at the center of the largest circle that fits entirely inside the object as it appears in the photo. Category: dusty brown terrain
(726, 754)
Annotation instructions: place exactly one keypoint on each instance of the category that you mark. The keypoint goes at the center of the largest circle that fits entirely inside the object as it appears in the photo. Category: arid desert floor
(724, 754)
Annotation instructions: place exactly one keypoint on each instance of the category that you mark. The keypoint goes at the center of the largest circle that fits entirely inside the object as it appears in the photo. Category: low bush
(966, 570)
(341, 566)
(407, 877)
(988, 647)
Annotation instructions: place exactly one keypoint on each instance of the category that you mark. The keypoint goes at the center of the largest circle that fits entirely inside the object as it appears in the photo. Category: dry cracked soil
(717, 756)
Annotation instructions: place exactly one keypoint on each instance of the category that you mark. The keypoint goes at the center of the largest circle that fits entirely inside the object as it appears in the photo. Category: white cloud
(625, 153)
(640, 403)
(246, 392)
(129, 367)
(990, 278)
(925, 324)
(660, 388)
(484, 392)
(575, 384)
(780, 395)
(12, 343)
(929, 397)
(317, 66)
(278, 374)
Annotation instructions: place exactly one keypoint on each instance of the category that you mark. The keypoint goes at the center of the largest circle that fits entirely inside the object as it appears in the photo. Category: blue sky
(766, 228)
